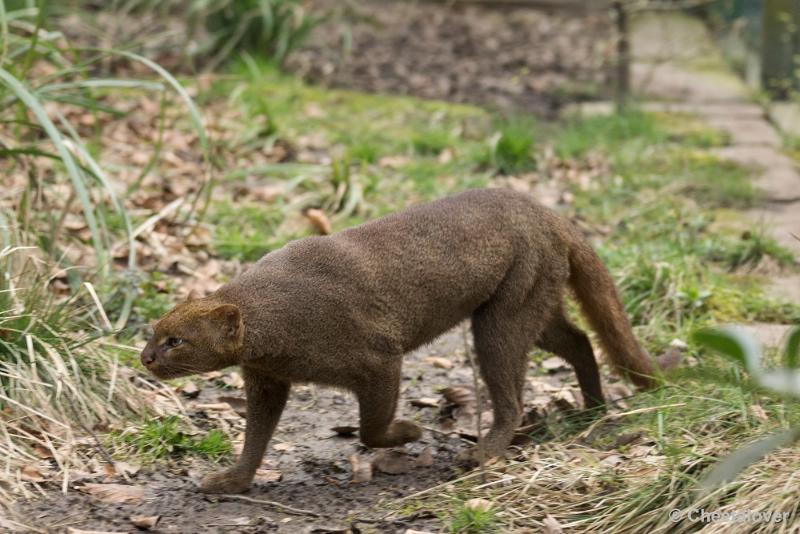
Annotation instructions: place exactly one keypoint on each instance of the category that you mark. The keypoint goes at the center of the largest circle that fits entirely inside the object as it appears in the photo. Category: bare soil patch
(309, 466)
(501, 57)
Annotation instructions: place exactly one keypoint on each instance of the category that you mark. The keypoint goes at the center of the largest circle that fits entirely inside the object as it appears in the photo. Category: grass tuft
(472, 520)
(511, 148)
(163, 438)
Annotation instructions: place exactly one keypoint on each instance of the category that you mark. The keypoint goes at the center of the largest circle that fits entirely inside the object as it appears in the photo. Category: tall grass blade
(30, 101)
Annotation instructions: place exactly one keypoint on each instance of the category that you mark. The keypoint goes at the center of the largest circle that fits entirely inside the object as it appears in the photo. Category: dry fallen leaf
(565, 400)
(42, 452)
(318, 220)
(640, 451)
(238, 404)
(425, 402)
(612, 460)
(283, 446)
(392, 462)
(268, 475)
(345, 430)
(362, 468)
(460, 395)
(213, 407)
(30, 473)
(124, 468)
(445, 156)
(553, 364)
(477, 504)
(145, 521)
(266, 193)
(190, 389)
(234, 380)
(670, 359)
(757, 411)
(438, 361)
(393, 162)
(114, 493)
(551, 525)
(425, 458)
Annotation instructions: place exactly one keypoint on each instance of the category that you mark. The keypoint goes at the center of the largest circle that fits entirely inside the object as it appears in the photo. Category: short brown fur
(342, 310)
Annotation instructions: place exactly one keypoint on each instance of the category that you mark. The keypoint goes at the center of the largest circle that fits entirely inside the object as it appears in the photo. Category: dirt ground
(314, 461)
(501, 57)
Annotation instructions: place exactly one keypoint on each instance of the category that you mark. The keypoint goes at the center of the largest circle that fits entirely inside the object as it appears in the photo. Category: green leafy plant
(511, 147)
(162, 438)
(470, 518)
(741, 348)
(270, 27)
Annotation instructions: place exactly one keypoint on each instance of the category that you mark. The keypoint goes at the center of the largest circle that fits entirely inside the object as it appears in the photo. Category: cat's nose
(148, 356)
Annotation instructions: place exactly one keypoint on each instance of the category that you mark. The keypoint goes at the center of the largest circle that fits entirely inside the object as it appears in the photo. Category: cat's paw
(404, 431)
(227, 481)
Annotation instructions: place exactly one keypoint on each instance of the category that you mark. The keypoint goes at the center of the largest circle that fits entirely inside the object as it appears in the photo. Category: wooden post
(622, 89)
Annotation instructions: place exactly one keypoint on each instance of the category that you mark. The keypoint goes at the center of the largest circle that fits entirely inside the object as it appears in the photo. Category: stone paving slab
(741, 110)
(670, 82)
(786, 116)
(778, 177)
(782, 222)
(745, 130)
(675, 59)
(770, 335)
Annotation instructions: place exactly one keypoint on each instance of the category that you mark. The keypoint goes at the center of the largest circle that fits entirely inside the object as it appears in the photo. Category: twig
(439, 486)
(614, 416)
(478, 407)
(98, 445)
(402, 520)
(446, 433)
(166, 211)
(283, 507)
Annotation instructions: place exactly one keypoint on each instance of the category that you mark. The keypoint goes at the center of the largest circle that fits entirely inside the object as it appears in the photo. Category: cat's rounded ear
(229, 319)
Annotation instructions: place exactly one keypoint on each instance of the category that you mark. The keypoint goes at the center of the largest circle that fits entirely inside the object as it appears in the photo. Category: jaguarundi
(343, 309)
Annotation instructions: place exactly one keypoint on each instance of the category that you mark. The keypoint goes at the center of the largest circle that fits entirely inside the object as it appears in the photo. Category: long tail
(601, 305)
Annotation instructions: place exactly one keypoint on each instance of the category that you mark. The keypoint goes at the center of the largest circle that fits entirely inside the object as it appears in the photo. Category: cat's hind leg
(564, 339)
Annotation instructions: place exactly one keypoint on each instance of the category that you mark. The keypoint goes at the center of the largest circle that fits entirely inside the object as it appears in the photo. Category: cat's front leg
(266, 399)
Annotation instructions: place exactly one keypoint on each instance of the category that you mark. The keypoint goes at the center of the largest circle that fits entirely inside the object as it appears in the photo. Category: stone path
(677, 67)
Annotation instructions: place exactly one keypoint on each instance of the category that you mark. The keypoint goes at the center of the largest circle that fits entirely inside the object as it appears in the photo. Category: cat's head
(197, 336)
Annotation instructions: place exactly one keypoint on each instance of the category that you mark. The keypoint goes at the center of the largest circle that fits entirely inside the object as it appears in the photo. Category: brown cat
(343, 309)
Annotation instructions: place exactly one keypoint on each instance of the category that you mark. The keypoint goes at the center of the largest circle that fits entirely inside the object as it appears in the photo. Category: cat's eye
(173, 342)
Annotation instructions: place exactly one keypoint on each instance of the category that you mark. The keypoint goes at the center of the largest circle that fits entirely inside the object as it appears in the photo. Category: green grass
(432, 141)
(163, 438)
(751, 247)
(512, 147)
(154, 298)
(397, 150)
(472, 520)
(245, 231)
(607, 132)
(661, 201)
